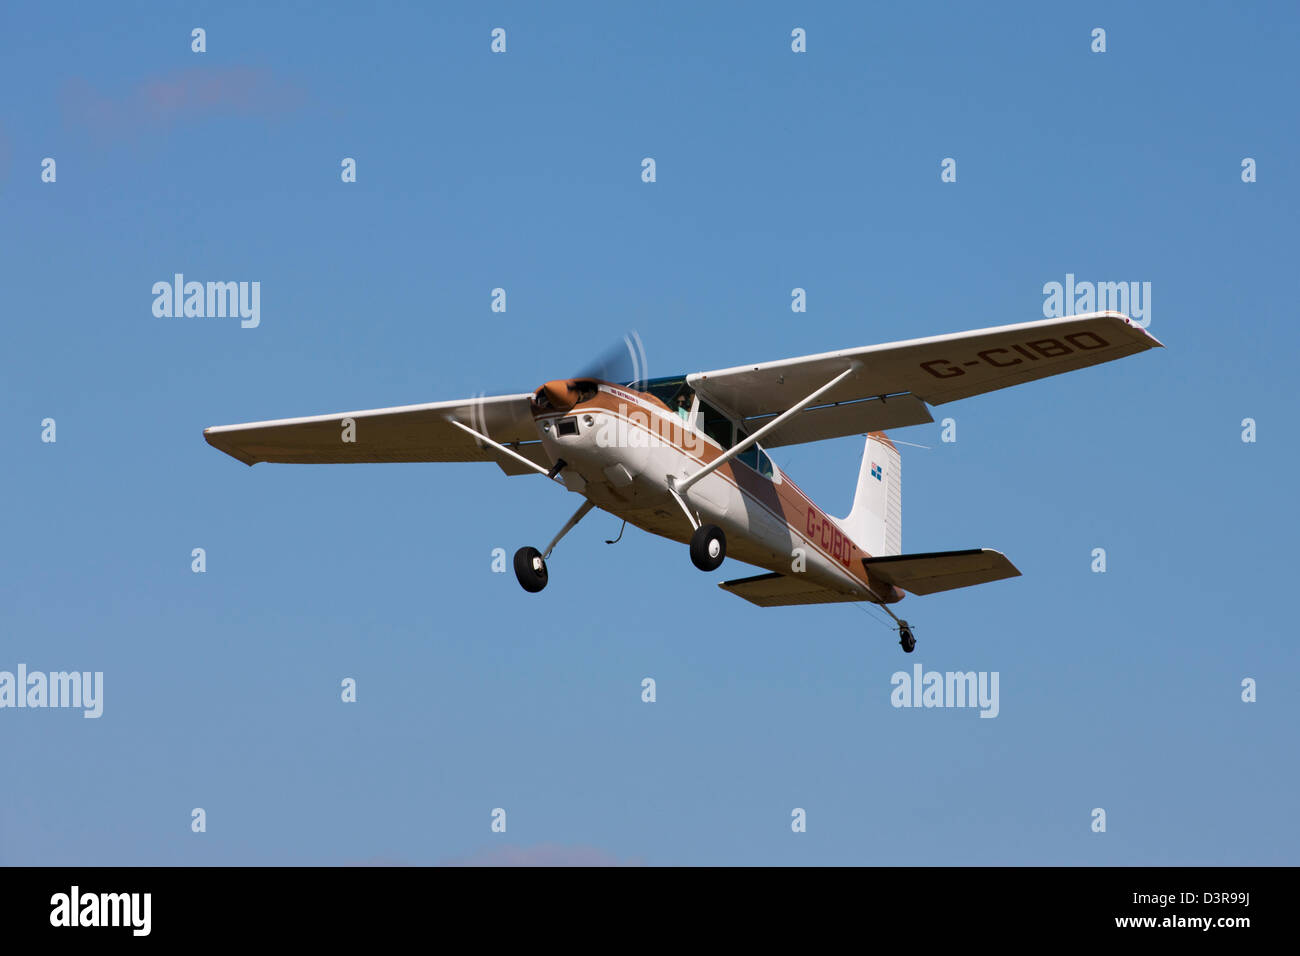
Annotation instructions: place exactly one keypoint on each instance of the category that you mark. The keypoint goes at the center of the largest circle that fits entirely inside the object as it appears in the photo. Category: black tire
(906, 639)
(530, 569)
(708, 547)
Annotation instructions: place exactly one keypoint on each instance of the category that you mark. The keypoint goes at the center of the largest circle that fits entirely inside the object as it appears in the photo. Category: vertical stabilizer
(876, 522)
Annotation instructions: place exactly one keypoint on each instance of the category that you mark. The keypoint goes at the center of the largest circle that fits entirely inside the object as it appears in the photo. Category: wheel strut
(530, 564)
(568, 526)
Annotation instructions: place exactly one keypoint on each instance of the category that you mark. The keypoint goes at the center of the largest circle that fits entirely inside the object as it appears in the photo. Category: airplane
(686, 456)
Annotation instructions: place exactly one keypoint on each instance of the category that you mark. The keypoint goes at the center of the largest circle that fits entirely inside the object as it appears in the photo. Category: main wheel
(708, 547)
(530, 569)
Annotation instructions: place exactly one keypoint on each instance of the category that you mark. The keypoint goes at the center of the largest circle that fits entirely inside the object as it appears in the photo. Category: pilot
(684, 405)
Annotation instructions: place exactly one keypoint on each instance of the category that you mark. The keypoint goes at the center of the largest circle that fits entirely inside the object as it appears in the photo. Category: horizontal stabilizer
(941, 570)
(781, 590)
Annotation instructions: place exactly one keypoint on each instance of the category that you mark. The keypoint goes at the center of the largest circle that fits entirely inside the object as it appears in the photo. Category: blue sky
(775, 170)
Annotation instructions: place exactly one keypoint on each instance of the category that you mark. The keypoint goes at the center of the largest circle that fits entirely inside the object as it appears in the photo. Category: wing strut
(502, 448)
(781, 419)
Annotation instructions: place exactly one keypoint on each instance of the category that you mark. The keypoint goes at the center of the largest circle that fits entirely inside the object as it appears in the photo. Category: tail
(876, 522)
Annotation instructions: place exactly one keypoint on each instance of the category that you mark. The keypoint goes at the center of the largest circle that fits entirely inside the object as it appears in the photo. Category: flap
(845, 418)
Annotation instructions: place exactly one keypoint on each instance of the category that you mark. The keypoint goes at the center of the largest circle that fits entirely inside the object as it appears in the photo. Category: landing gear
(708, 547)
(530, 564)
(708, 543)
(530, 569)
(905, 638)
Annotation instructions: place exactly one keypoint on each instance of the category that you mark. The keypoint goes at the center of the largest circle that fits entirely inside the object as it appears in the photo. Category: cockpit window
(667, 389)
(716, 425)
(750, 455)
(754, 456)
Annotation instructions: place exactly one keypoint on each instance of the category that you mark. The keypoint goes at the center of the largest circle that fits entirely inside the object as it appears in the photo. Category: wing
(403, 433)
(896, 381)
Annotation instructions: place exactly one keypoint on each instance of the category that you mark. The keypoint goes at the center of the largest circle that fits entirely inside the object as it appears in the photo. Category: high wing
(895, 382)
(404, 433)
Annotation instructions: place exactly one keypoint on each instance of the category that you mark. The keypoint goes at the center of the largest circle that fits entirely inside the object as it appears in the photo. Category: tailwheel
(530, 569)
(905, 638)
(708, 547)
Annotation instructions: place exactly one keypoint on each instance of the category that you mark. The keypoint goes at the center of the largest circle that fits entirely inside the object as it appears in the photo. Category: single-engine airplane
(685, 457)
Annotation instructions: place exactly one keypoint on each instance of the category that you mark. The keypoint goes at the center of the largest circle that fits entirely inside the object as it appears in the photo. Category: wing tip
(1010, 565)
(208, 436)
(1135, 326)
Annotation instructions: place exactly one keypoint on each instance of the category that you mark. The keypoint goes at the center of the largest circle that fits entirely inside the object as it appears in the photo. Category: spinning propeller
(623, 363)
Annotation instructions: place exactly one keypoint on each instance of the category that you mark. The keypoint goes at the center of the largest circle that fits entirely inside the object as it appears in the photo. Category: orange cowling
(560, 394)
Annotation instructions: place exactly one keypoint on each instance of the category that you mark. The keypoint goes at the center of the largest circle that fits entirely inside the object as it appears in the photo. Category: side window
(765, 465)
(750, 455)
(715, 425)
